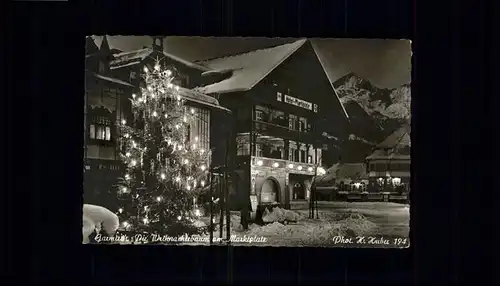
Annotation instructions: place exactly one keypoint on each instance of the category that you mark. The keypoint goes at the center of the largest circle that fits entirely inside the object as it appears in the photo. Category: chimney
(158, 43)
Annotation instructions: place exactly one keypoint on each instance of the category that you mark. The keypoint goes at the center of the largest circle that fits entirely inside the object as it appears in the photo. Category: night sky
(385, 63)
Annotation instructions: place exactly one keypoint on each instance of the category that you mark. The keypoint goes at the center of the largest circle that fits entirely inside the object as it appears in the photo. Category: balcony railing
(108, 165)
(290, 166)
(277, 128)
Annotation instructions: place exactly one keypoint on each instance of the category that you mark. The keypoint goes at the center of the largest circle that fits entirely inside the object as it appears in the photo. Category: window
(279, 96)
(258, 115)
(92, 131)
(100, 132)
(242, 145)
(303, 124)
(258, 150)
(292, 154)
(101, 152)
(302, 156)
(292, 122)
(199, 128)
(108, 133)
(310, 159)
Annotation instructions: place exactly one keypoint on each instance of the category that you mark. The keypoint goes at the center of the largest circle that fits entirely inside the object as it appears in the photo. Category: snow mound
(280, 215)
(199, 223)
(95, 216)
(314, 232)
(87, 228)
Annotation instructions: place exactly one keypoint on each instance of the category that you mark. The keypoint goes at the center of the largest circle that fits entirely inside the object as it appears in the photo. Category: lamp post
(212, 177)
(313, 203)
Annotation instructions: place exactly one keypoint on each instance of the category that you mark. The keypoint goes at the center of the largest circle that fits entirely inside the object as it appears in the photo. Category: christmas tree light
(162, 166)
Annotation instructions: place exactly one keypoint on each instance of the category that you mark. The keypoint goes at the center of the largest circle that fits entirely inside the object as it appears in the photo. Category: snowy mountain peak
(351, 80)
(374, 112)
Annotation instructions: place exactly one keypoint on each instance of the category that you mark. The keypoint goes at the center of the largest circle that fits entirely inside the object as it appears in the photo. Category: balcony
(277, 128)
(104, 165)
(280, 164)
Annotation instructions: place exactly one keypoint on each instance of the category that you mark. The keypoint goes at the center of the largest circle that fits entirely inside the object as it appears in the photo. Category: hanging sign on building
(298, 102)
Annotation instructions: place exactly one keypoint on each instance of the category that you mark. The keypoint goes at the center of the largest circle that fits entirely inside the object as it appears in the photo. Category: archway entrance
(269, 191)
(299, 191)
(300, 186)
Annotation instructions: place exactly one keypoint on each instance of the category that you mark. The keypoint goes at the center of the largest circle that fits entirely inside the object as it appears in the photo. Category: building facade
(111, 79)
(103, 112)
(389, 164)
(280, 117)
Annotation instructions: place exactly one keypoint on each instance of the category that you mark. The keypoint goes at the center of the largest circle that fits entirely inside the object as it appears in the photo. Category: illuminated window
(279, 96)
(92, 131)
(292, 122)
(258, 150)
(108, 133)
(198, 131)
(100, 132)
(258, 115)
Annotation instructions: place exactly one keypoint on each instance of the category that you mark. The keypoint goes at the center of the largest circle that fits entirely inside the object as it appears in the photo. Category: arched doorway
(270, 191)
(299, 191)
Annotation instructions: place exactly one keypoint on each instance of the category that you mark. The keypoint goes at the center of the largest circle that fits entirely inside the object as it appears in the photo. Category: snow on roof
(198, 97)
(344, 170)
(395, 146)
(127, 57)
(124, 65)
(399, 138)
(329, 175)
(248, 68)
(185, 62)
(378, 154)
(352, 170)
(114, 80)
(134, 57)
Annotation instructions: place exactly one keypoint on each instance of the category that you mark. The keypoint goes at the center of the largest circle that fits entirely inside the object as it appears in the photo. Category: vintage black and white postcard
(247, 141)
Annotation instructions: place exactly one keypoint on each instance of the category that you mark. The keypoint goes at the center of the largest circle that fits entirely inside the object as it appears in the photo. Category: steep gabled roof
(125, 59)
(248, 69)
(399, 138)
(90, 46)
(198, 97)
(113, 80)
(331, 81)
(395, 146)
(344, 171)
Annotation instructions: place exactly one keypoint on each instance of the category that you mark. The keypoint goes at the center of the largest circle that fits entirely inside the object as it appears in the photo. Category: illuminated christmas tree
(164, 171)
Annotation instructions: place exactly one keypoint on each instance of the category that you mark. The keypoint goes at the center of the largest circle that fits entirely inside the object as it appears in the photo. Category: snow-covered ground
(334, 219)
